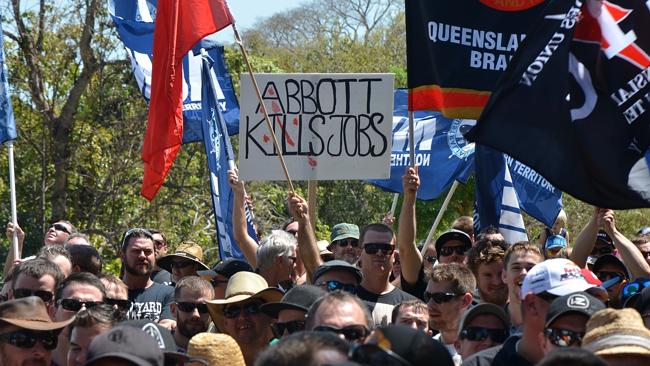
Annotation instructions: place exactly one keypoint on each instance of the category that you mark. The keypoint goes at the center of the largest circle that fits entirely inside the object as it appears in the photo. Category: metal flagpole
(394, 205)
(443, 208)
(12, 189)
(411, 140)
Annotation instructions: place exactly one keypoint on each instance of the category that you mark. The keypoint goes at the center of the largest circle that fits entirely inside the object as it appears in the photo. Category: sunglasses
(478, 334)
(180, 264)
(354, 332)
(121, 304)
(59, 227)
(46, 296)
(349, 241)
(635, 287)
(563, 337)
(27, 339)
(188, 307)
(75, 305)
(373, 248)
(251, 308)
(372, 354)
(439, 297)
(333, 285)
(607, 275)
(291, 327)
(447, 251)
(602, 251)
(430, 259)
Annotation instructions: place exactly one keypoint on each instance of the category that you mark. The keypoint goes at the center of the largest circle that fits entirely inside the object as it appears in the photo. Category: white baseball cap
(557, 276)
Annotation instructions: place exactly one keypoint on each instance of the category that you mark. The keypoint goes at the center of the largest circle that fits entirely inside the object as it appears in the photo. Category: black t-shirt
(381, 306)
(163, 277)
(415, 289)
(151, 303)
(503, 355)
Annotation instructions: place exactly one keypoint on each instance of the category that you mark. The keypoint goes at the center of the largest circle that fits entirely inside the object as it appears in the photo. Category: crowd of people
(368, 296)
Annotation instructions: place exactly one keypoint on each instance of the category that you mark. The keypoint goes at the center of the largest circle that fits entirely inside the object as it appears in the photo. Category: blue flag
(134, 21)
(219, 151)
(7, 122)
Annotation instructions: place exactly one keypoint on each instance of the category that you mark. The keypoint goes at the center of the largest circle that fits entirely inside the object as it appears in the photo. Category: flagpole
(240, 42)
(411, 140)
(12, 189)
(443, 208)
(394, 205)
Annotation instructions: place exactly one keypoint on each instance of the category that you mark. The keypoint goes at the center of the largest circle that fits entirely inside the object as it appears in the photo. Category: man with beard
(344, 242)
(190, 309)
(150, 300)
(485, 260)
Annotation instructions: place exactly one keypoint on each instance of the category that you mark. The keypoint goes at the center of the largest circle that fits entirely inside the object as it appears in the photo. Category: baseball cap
(344, 231)
(577, 302)
(453, 234)
(128, 343)
(298, 298)
(555, 241)
(226, 268)
(603, 237)
(163, 338)
(337, 264)
(610, 259)
(557, 276)
(482, 309)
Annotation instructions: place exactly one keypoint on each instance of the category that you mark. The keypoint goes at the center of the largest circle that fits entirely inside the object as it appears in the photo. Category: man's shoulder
(483, 358)
(392, 297)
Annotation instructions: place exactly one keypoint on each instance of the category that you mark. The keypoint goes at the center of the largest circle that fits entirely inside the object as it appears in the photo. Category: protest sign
(328, 126)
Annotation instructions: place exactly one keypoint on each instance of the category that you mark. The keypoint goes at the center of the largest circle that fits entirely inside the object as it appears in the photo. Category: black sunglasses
(564, 337)
(333, 285)
(607, 275)
(188, 307)
(477, 334)
(373, 248)
(447, 251)
(75, 305)
(59, 227)
(251, 308)
(291, 327)
(439, 297)
(344, 242)
(372, 354)
(46, 296)
(121, 304)
(351, 332)
(27, 339)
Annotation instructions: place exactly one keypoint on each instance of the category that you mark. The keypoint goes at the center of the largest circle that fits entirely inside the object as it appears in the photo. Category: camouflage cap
(344, 231)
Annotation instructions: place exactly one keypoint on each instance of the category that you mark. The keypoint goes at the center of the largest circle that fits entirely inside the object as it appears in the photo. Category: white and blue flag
(7, 121)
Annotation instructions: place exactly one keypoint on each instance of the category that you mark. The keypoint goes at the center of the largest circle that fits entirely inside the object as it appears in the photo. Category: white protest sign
(328, 126)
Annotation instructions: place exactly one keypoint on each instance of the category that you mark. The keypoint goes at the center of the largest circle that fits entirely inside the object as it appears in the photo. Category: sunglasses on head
(349, 241)
(180, 264)
(563, 337)
(75, 305)
(608, 275)
(233, 311)
(59, 227)
(333, 285)
(439, 297)
(635, 287)
(447, 251)
(27, 339)
(46, 296)
(121, 304)
(291, 327)
(477, 334)
(188, 307)
(355, 332)
(373, 248)
(372, 354)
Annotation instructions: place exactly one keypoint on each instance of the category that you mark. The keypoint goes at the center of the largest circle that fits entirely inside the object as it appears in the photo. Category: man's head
(378, 243)
(138, 253)
(464, 224)
(186, 260)
(603, 245)
(76, 239)
(520, 258)
(38, 277)
(291, 312)
(337, 275)
(117, 293)
(78, 291)
(607, 267)
(189, 306)
(490, 233)
(412, 313)
(58, 232)
(306, 348)
(485, 260)
(85, 258)
(219, 275)
(277, 254)
(87, 325)
(483, 326)
(58, 255)
(342, 313)
(160, 242)
(566, 321)
(452, 245)
(448, 295)
(344, 242)
(27, 334)
(429, 257)
(555, 247)
(642, 242)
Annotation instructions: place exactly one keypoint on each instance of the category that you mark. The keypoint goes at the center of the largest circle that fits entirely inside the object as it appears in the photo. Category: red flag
(180, 24)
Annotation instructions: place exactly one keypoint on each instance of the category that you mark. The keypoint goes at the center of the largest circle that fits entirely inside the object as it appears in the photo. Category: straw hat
(243, 286)
(215, 349)
(617, 332)
(29, 313)
(187, 250)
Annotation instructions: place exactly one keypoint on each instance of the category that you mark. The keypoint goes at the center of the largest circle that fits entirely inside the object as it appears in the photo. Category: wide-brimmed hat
(226, 268)
(298, 298)
(242, 286)
(617, 332)
(29, 313)
(215, 349)
(187, 250)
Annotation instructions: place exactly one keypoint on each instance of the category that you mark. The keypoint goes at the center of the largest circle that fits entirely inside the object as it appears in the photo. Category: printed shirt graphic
(381, 306)
(151, 303)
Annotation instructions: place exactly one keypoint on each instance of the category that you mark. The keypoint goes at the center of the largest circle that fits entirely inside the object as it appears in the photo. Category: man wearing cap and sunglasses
(27, 334)
(291, 312)
(344, 242)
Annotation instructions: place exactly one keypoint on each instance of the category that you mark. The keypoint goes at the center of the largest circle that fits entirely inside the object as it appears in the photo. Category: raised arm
(585, 241)
(306, 238)
(246, 243)
(409, 254)
(629, 253)
(11, 256)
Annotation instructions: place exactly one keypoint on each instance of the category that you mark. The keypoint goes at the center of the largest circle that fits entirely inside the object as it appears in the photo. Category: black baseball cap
(603, 237)
(336, 264)
(298, 298)
(127, 343)
(577, 302)
(453, 234)
(610, 259)
(227, 268)
(163, 338)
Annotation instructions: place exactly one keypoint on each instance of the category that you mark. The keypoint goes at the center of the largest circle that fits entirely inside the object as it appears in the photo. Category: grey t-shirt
(381, 305)
(151, 302)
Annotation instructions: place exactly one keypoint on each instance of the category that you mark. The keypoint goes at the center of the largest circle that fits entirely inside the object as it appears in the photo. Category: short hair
(521, 246)
(279, 244)
(80, 277)
(301, 348)
(135, 233)
(195, 284)
(574, 356)
(378, 227)
(164, 237)
(464, 224)
(287, 222)
(561, 218)
(101, 314)
(37, 268)
(337, 297)
(52, 251)
(74, 236)
(485, 251)
(416, 303)
(641, 239)
(87, 258)
(461, 278)
(112, 280)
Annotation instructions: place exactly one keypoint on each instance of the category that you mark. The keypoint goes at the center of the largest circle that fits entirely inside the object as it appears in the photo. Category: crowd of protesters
(368, 296)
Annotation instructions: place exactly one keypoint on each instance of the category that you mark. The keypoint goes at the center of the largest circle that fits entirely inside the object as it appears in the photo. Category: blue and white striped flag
(7, 121)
